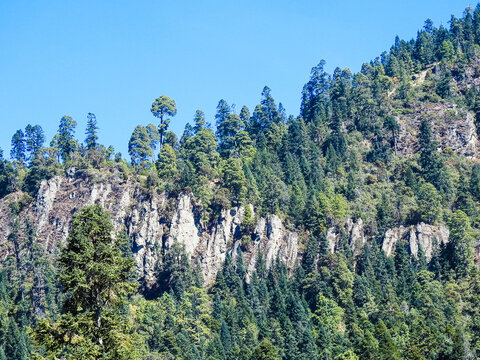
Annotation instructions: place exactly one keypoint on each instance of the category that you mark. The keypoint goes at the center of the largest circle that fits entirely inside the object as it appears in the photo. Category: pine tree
(333, 161)
(460, 246)
(245, 115)
(18, 147)
(95, 277)
(65, 137)
(410, 179)
(199, 121)
(6, 170)
(269, 107)
(350, 191)
(227, 129)
(475, 182)
(265, 350)
(91, 132)
(234, 179)
(15, 343)
(161, 107)
(201, 152)
(226, 338)
(167, 163)
(391, 124)
(387, 349)
(34, 139)
(188, 132)
(139, 147)
(429, 203)
(385, 217)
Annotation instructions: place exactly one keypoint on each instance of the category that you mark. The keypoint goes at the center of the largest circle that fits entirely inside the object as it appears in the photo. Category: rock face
(274, 241)
(354, 231)
(454, 128)
(153, 222)
(424, 236)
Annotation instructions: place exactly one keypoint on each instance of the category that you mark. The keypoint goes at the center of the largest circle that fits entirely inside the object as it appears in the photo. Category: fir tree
(96, 279)
(18, 147)
(91, 132)
(34, 139)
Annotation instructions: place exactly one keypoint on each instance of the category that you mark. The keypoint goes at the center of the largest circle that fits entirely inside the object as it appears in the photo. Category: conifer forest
(349, 230)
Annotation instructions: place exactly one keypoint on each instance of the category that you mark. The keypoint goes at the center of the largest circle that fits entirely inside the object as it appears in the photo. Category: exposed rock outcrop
(354, 231)
(453, 127)
(424, 236)
(152, 221)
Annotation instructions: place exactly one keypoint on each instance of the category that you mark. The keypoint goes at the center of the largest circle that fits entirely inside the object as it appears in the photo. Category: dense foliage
(343, 157)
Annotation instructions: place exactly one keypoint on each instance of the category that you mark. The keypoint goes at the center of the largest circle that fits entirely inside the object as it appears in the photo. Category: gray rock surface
(425, 236)
(155, 222)
(453, 127)
(152, 221)
(355, 232)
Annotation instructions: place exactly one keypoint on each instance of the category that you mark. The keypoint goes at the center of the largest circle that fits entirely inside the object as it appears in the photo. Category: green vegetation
(365, 146)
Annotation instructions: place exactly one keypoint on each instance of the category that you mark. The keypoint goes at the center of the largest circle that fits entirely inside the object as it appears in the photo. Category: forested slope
(350, 231)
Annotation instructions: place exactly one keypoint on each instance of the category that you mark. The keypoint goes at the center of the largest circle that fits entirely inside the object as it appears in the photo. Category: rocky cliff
(452, 127)
(152, 220)
(421, 236)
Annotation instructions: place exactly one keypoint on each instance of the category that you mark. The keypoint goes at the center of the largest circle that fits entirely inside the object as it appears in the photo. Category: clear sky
(114, 57)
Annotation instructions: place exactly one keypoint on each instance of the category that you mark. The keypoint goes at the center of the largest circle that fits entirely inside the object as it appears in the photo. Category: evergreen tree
(475, 182)
(223, 110)
(18, 147)
(226, 338)
(265, 351)
(432, 165)
(95, 277)
(268, 106)
(34, 139)
(315, 93)
(429, 203)
(91, 132)
(167, 163)
(154, 138)
(245, 115)
(385, 217)
(6, 171)
(243, 148)
(65, 137)
(161, 107)
(446, 51)
(199, 121)
(234, 179)
(176, 273)
(227, 129)
(201, 151)
(350, 193)
(188, 132)
(139, 147)
(15, 343)
(460, 246)
(410, 179)
(391, 124)
(387, 350)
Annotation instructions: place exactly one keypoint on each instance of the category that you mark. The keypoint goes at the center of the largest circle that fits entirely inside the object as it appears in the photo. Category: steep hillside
(154, 221)
(350, 231)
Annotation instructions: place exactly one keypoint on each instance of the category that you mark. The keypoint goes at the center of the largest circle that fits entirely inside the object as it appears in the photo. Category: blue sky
(114, 57)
